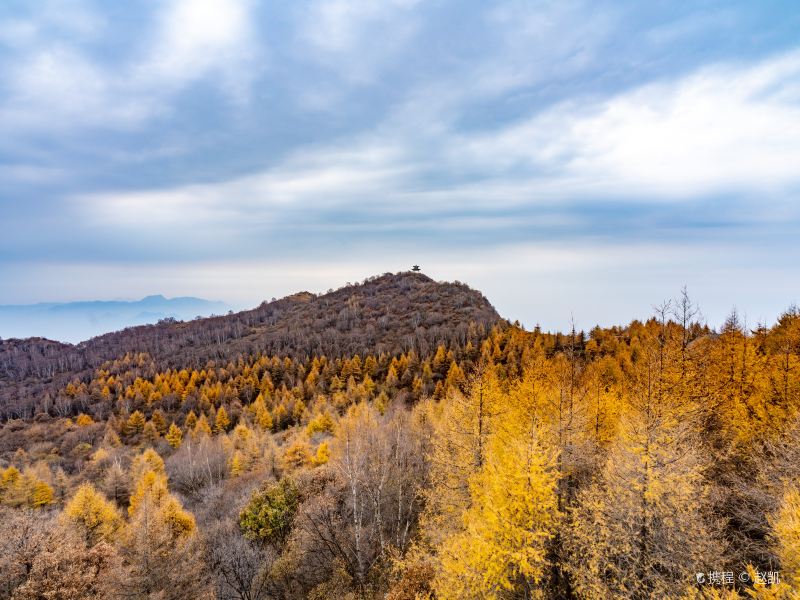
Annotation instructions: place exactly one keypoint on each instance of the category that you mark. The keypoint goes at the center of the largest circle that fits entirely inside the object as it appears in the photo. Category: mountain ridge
(390, 313)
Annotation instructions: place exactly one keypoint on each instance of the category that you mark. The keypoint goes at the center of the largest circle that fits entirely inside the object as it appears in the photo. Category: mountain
(77, 321)
(387, 314)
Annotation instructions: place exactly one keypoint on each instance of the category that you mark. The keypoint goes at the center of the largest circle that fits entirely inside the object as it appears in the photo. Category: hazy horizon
(69, 331)
(74, 322)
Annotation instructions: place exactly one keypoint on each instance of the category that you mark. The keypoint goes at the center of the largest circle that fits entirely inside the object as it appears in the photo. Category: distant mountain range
(77, 321)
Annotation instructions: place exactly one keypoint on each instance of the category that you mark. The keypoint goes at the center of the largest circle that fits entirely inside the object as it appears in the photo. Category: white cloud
(316, 178)
(355, 38)
(17, 32)
(690, 25)
(58, 88)
(726, 128)
(338, 24)
(723, 129)
(50, 19)
(30, 173)
(551, 44)
(55, 84)
(199, 38)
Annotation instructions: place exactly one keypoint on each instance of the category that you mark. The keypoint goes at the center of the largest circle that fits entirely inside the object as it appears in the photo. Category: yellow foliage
(150, 433)
(9, 477)
(201, 428)
(391, 377)
(150, 486)
(321, 423)
(382, 402)
(455, 376)
(100, 455)
(41, 495)
(786, 537)
(82, 420)
(149, 460)
(28, 489)
(297, 454)
(174, 436)
(152, 494)
(12, 487)
(710, 593)
(93, 514)
(263, 418)
(642, 524)
(180, 522)
(763, 590)
(222, 421)
(111, 438)
(158, 421)
(136, 422)
(512, 517)
(241, 435)
(322, 455)
(235, 464)
(243, 444)
(463, 424)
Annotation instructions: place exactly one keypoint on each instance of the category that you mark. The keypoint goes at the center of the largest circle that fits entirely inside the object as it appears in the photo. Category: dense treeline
(505, 464)
(136, 401)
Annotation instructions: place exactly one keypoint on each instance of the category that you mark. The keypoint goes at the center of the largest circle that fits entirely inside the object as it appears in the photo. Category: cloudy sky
(566, 158)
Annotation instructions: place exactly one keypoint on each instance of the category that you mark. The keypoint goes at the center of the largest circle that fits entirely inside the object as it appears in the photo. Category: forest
(397, 439)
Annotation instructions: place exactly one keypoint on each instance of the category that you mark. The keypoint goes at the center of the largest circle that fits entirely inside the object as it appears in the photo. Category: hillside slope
(391, 313)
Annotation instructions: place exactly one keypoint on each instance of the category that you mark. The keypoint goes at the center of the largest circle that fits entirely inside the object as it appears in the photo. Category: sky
(570, 159)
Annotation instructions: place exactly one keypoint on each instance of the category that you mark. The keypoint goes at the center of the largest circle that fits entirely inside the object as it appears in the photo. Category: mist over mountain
(77, 321)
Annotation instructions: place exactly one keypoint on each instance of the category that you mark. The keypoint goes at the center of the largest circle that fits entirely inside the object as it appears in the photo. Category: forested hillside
(387, 314)
(397, 439)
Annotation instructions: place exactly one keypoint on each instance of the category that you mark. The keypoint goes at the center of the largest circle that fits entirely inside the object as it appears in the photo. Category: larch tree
(190, 421)
(462, 424)
(221, 421)
(135, 423)
(149, 460)
(160, 549)
(786, 537)
(201, 428)
(41, 495)
(150, 433)
(502, 551)
(174, 436)
(93, 515)
(644, 526)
